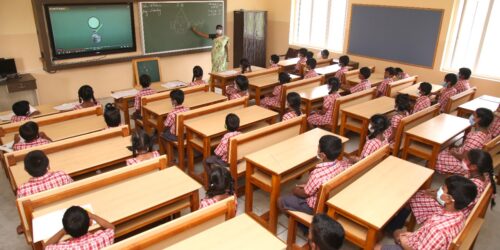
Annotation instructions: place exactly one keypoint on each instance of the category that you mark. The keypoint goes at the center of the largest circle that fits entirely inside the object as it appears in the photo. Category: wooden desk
(356, 118)
(288, 62)
(312, 96)
(328, 71)
(413, 91)
(370, 203)
(220, 79)
(275, 165)
(240, 232)
(484, 101)
(427, 139)
(375, 79)
(262, 85)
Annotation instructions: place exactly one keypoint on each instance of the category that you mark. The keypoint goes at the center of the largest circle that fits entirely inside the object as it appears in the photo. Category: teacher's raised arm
(219, 49)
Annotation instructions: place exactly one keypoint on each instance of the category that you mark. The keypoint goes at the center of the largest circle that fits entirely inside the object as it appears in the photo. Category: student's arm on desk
(44, 136)
(55, 239)
(102, 222)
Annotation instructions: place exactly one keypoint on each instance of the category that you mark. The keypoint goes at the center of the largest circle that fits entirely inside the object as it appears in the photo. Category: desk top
(414, 92)
(241, 232)
(268, 80)
(313, 93)
(330, 69)
(484, 101)
(440, 128)
(288, 62)
(228, 73)
(290, 153)
(374, 201)
(381, 105)
(375, 78)
(193, 100)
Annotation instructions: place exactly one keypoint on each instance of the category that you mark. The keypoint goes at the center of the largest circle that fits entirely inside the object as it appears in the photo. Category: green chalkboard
(166, 26)
(147, 66)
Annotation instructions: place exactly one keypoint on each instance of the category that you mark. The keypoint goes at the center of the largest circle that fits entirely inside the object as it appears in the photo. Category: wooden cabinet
(250, 29)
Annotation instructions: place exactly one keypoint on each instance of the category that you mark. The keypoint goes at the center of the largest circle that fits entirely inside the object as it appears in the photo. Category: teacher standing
(220, 50)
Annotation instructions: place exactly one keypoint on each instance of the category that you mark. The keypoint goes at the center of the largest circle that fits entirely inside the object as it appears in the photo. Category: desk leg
(249, 189)
(404, 156)
(343, 121)
(223, 86)
(371, 237)
(189, 149)
(206, 154)
(273, 208)
(435, 152)
(212, 83)
(195, 201)
(257, 96)
(308, 107)
(362, 136)
(122, 104)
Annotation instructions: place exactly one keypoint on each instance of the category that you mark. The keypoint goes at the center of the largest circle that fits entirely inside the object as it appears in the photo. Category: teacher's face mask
(218, 32)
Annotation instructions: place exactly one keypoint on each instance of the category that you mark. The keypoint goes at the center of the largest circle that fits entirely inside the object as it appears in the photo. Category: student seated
(304, 196)
(343, 62)
(220, 152)
(274, 99)
(21, 111)
(293, 102)
(145, 81)
(309, 55)
(310, 66)
(112, 116)
(325, 115)
(142, 147)
(239, 89)
(177, 98)
(423, 101)
(400, 74)
(388, 78)
(76, 222)
(29, 137)
(402, 109)
(448, 91)
(450, 160)
(245, 66)
(325, 233)
(463, 80)
(275, 59)
(86, 98)
(364, 84)
(376, 139)
(220, 186)
(441, 228)
(197, 77)
(494, 128)
(325, 54)
(302, 59)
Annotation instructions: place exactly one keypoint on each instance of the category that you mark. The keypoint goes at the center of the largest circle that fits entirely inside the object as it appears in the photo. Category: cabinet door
(254, 37)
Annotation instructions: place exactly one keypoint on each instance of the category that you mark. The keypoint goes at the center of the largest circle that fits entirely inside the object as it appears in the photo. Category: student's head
(36, 163)
(398, 70)
(302, 52)
(293, 100)
(112, 115)
(464, 73)
(425, 88)
(329, 147)
(21, 108)
(232, 122)
(309, 55)
(177, 97)
(284, 77)
(197, 73)
(220, 181)
(219, 30)
(311, 63)
(141, 142)
(275, 59)
(344, 60)
(86, 94)
(480, 162)
(29, 131)
(457, 191)
(241, 82)
(245, 65)
(451, 79)
(364, 73)
(76, 221)
(403, 102)
(483, 117)
(333, 85)
(325, 54)
(145, 80)
(378, 124)
(325, 233)
(389, 72)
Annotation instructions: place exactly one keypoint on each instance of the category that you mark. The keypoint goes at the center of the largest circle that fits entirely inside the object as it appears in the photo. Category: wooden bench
(347, 101)
(247, 143)
(394, 87)
(493, 147)
(459, 99)
(294, 86)
(75, 156)
(329, 189)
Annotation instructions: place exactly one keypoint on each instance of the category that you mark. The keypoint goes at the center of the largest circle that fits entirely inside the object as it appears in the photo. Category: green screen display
(84, 30)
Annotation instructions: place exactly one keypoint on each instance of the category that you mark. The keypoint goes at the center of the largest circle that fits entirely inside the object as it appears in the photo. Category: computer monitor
(7, 67)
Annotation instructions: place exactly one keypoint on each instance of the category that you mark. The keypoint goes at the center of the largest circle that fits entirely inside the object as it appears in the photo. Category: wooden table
(44, 109)
(375, 79)
(275, 165)
(427, 139)
(356, 118)
(312, 96)
(484, 101)
(241, 232)
(414, 93)
(328, 71)
(285, 64)
(261, 85)
(371, 203)
(220, 79)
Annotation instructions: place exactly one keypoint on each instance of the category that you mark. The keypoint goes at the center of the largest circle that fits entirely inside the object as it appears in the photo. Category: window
(318, 24)
(474, 39)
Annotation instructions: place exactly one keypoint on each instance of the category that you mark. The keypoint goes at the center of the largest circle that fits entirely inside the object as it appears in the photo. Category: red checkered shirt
(197, 82)
(310, 73)
(475, 140)
(79, 106)
(322, 173)
(272, 101)
(422, 103)
(141, 93)
(206, 202)
(446, 93)
(289, 116)
(481, 186)
(462, 85)
(136, 160)
(403, 76)
(38, 184)
(363, 85)
(19, 118)
(299, 63)
(233, 93)
(24, 145)
(341, 72)
(328, 105)
(371, 146)
(274, 65)
(382, 87)
(222, 148)
(438, 231)
(90, 241)
(395, 120)
(494, 128)
(171, 119)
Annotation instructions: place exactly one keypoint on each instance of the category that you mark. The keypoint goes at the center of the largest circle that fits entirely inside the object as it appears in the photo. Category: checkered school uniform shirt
(341, 72)
(274, 65)
(48, 181)
(206, 202)
(363, 85)
(19, 118)
(403, 76)
(299, 63)
(24, 145)
(382, 87)
(371, 146)
(289, 115)
(422, 103)
(136, 160)
(494, 128)
(322, 173)
(197, 82)
(273, 101)
(395, 120)
(446, 93)
(171, 119)
(141, 93)
(222, 148)
(311, 73)
(462, 85)
(328, 105)
(233, 93)
(79, 106)
(90, 241)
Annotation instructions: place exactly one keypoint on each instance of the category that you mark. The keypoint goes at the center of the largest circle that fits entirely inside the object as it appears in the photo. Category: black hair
(462, 190)
(76, 221)
(86, 93)
(36, 163)
(327, 233)
(112, 115)
(344, 60)
(325, 53)
(303, 51)
(218, 26)
(178, 96)
(141, 142)
(484, 163)
(242, 82)
(425, 87)
(451, 78)
(220, 181)
(485, 116)
(245, 65)
(232, 122)
(379, 124)
(145, 80)
(294, 101)
(390, 70)
(275, 58)
(464, 73)
(29, 131)
(197, 72)
(365, 72)
(331, 146)
(309, 55)
(284, 77)
(334, 84)
(403, 102)
(398, 70)
(21, 108)
(311, 63)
